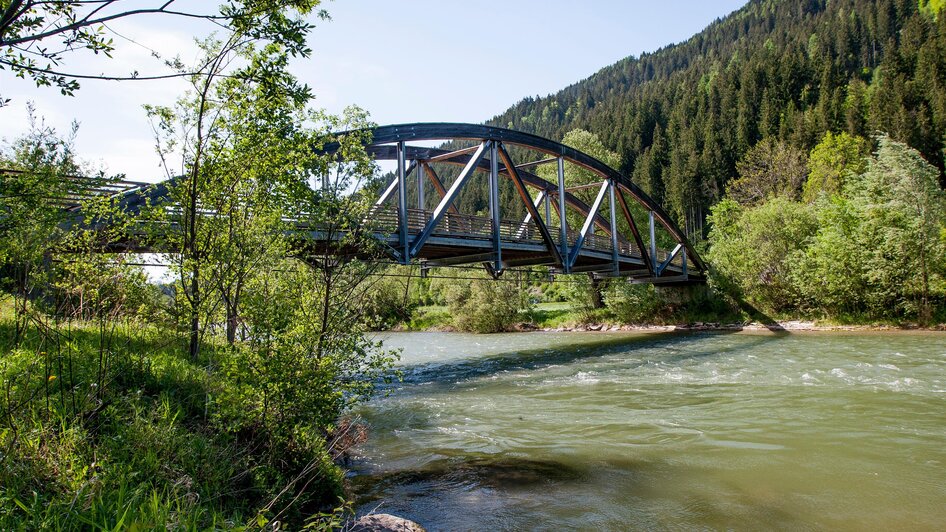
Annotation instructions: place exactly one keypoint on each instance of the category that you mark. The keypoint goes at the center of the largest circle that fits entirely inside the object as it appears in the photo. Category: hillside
(681, 117)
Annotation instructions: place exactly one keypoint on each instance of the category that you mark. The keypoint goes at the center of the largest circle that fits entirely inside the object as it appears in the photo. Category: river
(617, 431)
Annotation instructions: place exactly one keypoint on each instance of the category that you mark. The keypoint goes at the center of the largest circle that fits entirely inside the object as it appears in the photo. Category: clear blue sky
(403, 61)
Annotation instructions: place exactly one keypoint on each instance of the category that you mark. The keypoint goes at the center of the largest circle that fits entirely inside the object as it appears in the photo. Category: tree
(903, 213)
(829, 274)
(831, 161)
(36, 173)
(575, 176)
(754, 248)
(37, 37)
(228, 129)
(770, 168)
(480, 304)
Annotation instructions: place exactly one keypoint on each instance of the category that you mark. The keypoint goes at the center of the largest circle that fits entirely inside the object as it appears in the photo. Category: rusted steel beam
(447, 200)
(527, 201)
(438, 184)
(637, 235)
(451, 155)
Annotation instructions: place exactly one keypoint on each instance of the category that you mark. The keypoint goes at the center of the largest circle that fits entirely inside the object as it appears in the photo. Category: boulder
(385, 523)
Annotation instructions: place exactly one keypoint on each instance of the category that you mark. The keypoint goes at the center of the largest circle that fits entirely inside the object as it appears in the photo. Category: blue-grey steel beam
(614, 227)
(393, 186)
(494, 204)
(563, 225)
(402, 203)
(670, 257)
(448, 199)
(589, 221)
(420, 187)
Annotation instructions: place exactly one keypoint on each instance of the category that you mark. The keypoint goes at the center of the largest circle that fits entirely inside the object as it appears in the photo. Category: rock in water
(385, 523)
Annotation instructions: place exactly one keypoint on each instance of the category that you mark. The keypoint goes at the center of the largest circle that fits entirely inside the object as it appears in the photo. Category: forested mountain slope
(680, 118)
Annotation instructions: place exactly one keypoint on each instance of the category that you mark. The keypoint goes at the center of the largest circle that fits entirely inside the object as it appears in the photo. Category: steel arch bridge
(607, 239)
(443, 236)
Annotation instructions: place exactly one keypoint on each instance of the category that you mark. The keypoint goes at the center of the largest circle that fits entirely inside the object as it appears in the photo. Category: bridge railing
(458, 225)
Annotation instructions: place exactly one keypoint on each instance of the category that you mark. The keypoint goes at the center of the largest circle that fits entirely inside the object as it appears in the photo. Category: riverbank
(561, 317)
(793, 326)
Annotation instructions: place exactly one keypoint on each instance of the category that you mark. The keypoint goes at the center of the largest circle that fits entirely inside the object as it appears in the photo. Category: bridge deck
(467, 239)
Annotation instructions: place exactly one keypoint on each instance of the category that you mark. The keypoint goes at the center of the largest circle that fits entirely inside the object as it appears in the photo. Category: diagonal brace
(525, 221)
(670, 257)
(592, 212)
(636, 232)
(448, 199)
(531, 207)
(392, 188)
(438, 184)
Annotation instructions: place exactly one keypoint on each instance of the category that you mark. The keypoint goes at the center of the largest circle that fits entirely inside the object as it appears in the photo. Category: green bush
(480, 304)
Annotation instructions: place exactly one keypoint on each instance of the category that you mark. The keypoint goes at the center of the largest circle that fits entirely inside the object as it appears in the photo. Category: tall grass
(110, 426)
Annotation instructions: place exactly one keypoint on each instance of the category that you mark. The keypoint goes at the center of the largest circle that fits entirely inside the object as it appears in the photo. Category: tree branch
(91, 22)
(103, 77)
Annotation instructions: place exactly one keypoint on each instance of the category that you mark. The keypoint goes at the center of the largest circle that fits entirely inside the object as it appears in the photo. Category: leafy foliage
(874, 249)
(770, 169)
(682, 117)
(479, 304)
(37, 37)
(831, 161)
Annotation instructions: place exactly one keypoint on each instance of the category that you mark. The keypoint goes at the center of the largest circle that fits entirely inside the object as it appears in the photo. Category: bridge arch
(431, 237)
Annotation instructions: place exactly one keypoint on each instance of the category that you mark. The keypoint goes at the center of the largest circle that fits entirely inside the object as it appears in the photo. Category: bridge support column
(614, 228)
(563, 224)
(494, 204)
(402, 204)
(421, 204)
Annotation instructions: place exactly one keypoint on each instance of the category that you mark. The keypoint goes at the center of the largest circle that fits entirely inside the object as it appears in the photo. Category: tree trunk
(231, 322)
(597, 300)
(194, 345)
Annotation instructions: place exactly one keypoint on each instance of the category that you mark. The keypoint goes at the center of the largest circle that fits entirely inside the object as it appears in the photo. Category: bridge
(621, 232)
(433, 232)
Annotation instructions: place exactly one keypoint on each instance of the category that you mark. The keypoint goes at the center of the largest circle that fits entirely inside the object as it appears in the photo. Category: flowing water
(615, 431)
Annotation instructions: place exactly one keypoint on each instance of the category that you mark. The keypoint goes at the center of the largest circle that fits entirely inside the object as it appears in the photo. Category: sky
(402, 61)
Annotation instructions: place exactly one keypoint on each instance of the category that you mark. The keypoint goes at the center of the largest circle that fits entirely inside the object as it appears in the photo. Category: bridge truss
(607, 241)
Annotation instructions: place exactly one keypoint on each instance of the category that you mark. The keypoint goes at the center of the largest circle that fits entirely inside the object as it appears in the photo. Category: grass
(428, 318)
(121, 431)
(552, 315)
(541, 315)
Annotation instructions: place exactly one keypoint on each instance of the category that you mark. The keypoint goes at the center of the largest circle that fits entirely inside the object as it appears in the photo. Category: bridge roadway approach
(617, 236)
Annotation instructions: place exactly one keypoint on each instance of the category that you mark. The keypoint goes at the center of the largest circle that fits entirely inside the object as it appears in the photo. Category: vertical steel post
(421, 204)
(402, 203)
(548, 209)
(653, 240)
(561, 212)
(494, 203)
(614, 227)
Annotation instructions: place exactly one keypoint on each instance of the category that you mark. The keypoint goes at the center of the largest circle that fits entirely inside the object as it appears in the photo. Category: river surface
(618, 431)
